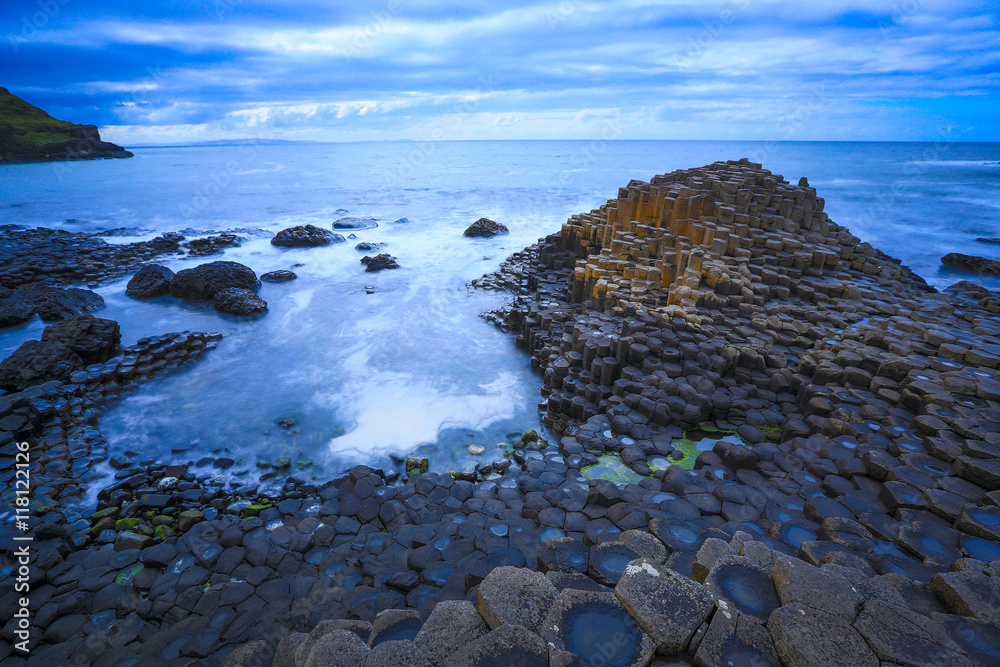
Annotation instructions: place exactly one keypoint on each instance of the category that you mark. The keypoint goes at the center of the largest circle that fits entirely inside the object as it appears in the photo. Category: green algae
(125, 576)
(697, 440)
(610, 467)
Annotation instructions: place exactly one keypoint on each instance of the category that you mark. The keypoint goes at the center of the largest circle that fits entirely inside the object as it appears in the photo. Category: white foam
(395, 413)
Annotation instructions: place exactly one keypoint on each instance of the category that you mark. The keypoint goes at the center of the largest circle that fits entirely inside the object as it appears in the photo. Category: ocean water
(411, 368)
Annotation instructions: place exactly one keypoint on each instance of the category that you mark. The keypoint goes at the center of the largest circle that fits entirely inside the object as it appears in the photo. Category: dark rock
(735, 639)
(516, 596)
(379, 262)
(484, 227)
(596, 628)
(52, 303)
(739, 586)
(972, 264)
(452, 625)
(279, 276)
(251, 654)
(205, 281)
(94, 340)
(563, 554)
(668, 606)
(339, 648)
(355, 224)
(503, 647)
(303, 236)
(150, 281)
(904, 637)
(804, 636)
(35, 362)
(237, 301)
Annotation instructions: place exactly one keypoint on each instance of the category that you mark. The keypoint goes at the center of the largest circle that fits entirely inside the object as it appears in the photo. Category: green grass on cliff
(29, 123)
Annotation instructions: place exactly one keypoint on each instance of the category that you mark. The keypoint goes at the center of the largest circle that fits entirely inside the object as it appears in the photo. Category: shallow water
(411, 367)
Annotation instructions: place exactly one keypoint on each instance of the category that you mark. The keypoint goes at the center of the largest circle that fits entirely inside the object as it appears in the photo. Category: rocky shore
(777, 445)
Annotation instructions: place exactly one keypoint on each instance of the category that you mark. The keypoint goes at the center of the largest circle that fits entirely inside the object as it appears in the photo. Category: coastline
(775, 324)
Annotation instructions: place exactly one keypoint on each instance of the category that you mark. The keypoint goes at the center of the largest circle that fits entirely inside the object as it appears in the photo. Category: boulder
(205, 281)
(149, 281)
(484, 227)
(95, 340)
(14, 312)
(53, 303)
(367, 246)
(237, 301)
(379, 262)
(36, 362)
(279, 276)
(355, 223)
(516, 596)
(972, 264)
(304, 236)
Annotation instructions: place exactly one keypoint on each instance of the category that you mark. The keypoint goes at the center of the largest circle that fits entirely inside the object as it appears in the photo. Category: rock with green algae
(610, 467)
(529, 436)
(416, 464)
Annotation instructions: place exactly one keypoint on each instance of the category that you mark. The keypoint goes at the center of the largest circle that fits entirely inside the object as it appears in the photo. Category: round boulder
(485, 228)
(279, 276)
(355, 224)
(149, 281)
(205, 281)
(379, 262)
(304, 236)
(238, 301)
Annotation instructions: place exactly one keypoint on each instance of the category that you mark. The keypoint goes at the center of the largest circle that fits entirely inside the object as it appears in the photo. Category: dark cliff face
(28, 134)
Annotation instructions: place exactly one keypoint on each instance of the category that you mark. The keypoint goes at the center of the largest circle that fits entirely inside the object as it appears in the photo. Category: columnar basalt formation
(807, 472)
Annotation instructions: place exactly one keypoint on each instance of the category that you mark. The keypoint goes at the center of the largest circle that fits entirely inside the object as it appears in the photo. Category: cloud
(433, 69)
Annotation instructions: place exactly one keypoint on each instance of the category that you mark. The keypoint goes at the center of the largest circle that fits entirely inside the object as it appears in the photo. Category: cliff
(28, 134)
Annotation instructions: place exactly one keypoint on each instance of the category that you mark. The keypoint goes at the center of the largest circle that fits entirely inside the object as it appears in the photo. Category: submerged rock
(366, 246)
(94, 340)
(205, 281)
(36, 362)
(305, 236)
(972, 264)
(379, 262)
(238, 301)
(355, 223)
(484, 227)
(149, 281)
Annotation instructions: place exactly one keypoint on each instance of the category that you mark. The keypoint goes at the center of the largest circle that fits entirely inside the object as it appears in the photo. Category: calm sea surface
(412, 368)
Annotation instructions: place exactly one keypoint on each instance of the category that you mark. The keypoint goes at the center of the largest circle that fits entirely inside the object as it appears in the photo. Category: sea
(373, 367)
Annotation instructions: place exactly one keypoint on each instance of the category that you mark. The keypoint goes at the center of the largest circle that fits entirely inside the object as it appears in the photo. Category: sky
(159, 71)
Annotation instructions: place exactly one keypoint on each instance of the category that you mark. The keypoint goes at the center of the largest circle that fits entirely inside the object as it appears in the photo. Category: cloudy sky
(161, 71)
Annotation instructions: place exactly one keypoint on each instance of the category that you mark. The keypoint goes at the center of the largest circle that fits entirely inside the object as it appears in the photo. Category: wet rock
(608, 560)
(505, 646)
(93, 340)
(416, 464)
(150, 281)
(355, 224)
(804, 636)
(35, 362)
(303, 236)
(971, 264)
(395, 625)
(279, 276)
(484, 227)
(205, 281)
(734, 639)
(596, 628)
(379, 262)
(452, 625)
(968, 594)
(50, 302)
(739, 586)
(563, 554)
(668, 606)
(237, 301)
(516, 596)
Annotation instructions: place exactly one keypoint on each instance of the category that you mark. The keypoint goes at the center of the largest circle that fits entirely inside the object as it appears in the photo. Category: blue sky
(186, 70)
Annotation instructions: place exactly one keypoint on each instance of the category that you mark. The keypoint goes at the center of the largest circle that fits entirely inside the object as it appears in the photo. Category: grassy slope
(30, 124)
